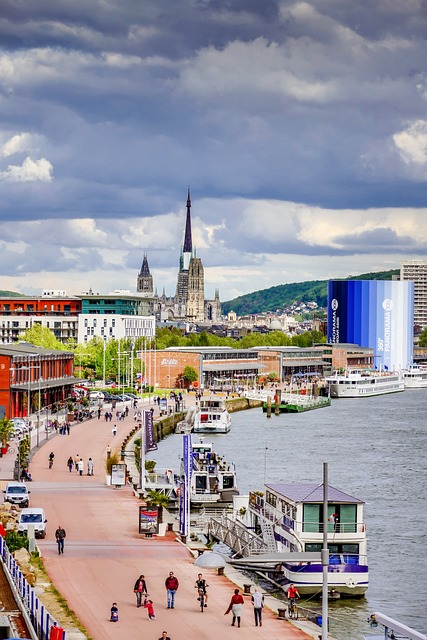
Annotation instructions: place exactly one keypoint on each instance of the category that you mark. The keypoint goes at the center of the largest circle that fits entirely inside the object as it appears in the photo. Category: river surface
(376, 450)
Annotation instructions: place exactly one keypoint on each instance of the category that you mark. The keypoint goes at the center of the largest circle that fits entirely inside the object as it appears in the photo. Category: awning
(35, 385)
(233, 366)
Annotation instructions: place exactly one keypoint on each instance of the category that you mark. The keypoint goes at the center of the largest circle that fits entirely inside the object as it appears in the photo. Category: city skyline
(300, 126)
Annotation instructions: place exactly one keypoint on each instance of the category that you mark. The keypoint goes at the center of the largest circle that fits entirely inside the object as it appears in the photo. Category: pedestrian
(99, 413)
(76, 462)
(70, 464)
(81, 466)
(140, 587)
(150, 608)
(164, 636)
(68, 428)
(258, 602)
(90, 467)
(114, 612)
(171, 584)
(114, 430)
(235, 607)
(60, 537)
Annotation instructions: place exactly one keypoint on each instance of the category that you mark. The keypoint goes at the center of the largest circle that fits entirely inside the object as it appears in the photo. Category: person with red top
(292, 593)
(171, 584)
(235, 607)
(150, 608)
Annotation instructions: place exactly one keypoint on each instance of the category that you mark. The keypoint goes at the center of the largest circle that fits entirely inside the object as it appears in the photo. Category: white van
(17, 493)
(34, 516)
(96, 395)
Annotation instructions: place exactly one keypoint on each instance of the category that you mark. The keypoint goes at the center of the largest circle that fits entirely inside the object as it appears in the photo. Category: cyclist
(201, 588)
(292, 594)
(51, 457)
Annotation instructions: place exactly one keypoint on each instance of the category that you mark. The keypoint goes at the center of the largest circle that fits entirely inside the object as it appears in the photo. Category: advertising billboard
(374, 313)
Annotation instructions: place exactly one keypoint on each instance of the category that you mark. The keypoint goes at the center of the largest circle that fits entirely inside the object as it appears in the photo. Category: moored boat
(292, 514)
(415, 377)
(210, 415)
(213, 480)
(361, 383)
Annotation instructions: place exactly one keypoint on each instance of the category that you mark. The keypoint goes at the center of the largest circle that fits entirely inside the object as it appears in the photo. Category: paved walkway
(104, 553)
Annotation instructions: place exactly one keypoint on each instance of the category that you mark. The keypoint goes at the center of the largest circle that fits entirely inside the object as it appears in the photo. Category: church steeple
(188, 243)
(144, 283)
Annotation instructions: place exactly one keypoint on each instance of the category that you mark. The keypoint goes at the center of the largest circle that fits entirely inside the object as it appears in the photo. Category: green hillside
(10, 294)
(285, 294)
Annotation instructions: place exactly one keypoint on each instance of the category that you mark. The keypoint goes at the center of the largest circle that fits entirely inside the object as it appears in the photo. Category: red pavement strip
(104, 553)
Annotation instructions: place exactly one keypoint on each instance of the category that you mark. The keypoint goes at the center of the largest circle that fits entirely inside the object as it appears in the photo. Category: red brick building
(30, 372)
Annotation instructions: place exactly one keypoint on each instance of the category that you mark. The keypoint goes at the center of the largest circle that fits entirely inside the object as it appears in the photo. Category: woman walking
(235, 607)
(140, 588)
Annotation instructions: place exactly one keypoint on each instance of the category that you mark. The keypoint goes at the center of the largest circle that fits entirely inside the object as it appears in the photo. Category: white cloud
(29, 171)
(412, 142)
(18, 143)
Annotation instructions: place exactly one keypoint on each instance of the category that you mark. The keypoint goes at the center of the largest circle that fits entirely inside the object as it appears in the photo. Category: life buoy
(178, 491)
(350, 583)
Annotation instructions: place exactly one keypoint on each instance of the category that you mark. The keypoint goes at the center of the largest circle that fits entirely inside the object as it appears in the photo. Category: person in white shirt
(258, 602)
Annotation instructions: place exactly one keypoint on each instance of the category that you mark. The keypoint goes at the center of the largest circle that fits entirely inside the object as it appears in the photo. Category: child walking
(148, 604)
(114, 612)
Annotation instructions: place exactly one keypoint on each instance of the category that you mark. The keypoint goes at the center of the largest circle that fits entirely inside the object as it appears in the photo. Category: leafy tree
(423, 338)
(43, 337)
(190, 374)
(6, 430)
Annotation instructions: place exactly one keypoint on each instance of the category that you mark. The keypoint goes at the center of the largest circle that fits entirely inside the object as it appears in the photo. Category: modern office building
(114, 316)
(373, 313)
(416, 272)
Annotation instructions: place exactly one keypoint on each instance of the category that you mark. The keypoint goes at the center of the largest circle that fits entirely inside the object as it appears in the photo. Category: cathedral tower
(144, 283)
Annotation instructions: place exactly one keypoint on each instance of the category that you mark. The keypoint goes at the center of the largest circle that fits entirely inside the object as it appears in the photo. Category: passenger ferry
(208, 416)
(213, 480)
(363, 383)
(292, 515)
(415, 377)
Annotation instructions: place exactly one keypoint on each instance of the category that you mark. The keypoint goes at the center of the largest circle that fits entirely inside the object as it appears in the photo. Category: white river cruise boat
(415, 377)
(213, 479)
(293, 514)
(362, 383)
(210, 415)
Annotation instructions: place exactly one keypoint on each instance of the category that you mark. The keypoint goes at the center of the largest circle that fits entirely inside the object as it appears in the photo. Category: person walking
(108, 451)
(76, 462)
(171, 584)
(80, 466)
(140, 587)
(60, 537)
(70, 464)
(235, 606)
(258, 602)
(164, 636)
(90, 467)
(149, 605)
(114, 430)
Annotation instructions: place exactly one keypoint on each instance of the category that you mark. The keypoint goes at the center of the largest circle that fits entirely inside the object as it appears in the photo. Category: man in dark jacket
(60, 537)
(171, 584)
(140, 588)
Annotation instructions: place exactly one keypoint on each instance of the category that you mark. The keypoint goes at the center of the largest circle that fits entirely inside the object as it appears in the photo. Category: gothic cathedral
(189, 302)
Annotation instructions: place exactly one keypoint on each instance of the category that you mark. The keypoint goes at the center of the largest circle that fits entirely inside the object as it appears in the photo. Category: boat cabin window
(339, 553)
(227, 481)
(341, 517)
(201, 483)
(271, 498)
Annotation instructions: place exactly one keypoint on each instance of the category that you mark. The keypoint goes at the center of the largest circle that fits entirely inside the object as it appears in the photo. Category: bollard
(220, 571)
(269, 407)
(281, 614)
(247, 589)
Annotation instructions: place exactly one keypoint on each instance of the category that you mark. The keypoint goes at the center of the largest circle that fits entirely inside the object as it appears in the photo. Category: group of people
(172, 584)
(78, 464)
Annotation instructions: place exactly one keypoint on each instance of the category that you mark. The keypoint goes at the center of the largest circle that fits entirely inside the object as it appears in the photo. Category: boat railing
(167, 478)
(236, 536)
(339, 527)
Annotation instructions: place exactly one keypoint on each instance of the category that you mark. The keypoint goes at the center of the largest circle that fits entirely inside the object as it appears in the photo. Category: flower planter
(4, 448)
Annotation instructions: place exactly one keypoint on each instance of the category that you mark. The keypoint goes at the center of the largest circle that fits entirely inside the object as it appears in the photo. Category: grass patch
(53, 600)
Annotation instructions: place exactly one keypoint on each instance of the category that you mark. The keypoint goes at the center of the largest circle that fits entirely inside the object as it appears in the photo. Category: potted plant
(6, 431)
(113, 458)
(160, 500)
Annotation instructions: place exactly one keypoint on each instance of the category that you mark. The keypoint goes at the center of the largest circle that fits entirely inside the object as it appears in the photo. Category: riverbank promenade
(104, 554)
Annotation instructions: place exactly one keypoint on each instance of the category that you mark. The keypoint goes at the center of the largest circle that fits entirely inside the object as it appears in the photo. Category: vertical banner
(188, 470)
(150, 439)
(182, 509)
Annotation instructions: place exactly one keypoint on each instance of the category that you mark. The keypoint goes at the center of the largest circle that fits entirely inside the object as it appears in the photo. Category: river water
(376, 450)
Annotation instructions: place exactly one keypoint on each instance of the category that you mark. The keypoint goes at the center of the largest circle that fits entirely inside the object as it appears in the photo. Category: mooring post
(278, 400)
(268, 406)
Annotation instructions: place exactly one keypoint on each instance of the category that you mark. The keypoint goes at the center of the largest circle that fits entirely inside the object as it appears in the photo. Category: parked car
(17, 493)
(20, 423)
(35, 516)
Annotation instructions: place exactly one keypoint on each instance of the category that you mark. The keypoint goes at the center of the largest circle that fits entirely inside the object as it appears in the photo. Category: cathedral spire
(188, 244)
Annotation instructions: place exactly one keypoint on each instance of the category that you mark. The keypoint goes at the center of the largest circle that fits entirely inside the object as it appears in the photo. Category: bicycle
(292, 609)
(50, 463)
(202, 599)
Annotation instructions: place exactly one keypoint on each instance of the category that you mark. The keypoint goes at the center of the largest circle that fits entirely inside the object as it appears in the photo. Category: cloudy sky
(301, 128)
